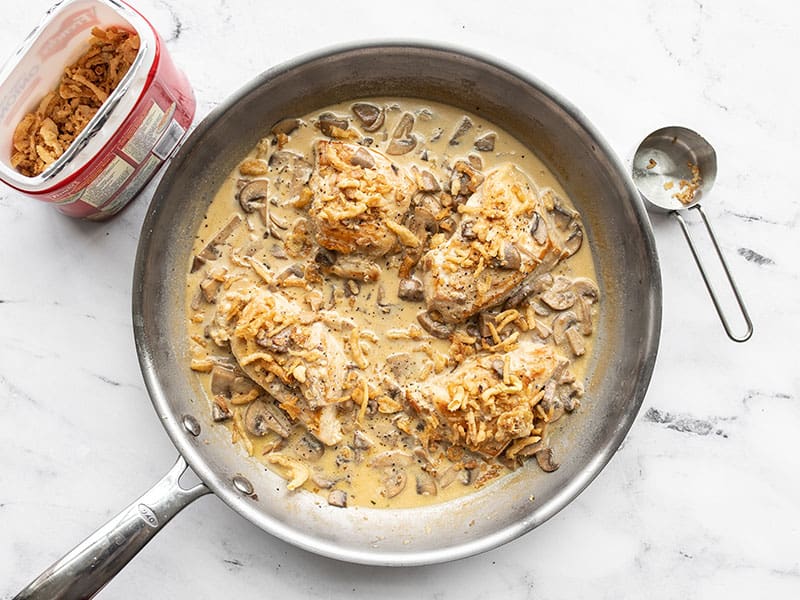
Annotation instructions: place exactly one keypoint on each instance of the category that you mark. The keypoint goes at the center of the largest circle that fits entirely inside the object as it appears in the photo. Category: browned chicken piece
(359, 200)
(290, 353)
(490, 400)
(509, 232)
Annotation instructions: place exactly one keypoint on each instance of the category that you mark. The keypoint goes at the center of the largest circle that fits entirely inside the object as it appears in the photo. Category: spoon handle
(709, 287)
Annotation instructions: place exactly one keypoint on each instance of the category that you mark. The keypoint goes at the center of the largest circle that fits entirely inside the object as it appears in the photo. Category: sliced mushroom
(253, 195)
(560, 295)
(561, 323)
(465, 180)
(575, 340)
(211, 250)
(545, 460)
(434, 327)
(423, 224)
(278, 343)
(466, 230)
(542, 283)
(295, 270)
(574, 241)
(285, 126)
(262, 417)
(321, 481)
(583, 308)
(211, 284)
(351, 288)
(530, 285)
(463, 127)
(426, 484)
(519, 295)
(219, 414)
(542, 330)
(328, 123)
(325, 257)
(362, 158)
(476, 161)
(309, 447)
(555, 410)
(403, 141)
(222, 379)
(354, 267)
(571, 403)
(530, 450)
(485, 143)
(278, 251)
(380, 298)
(361, 440)
(539, 308)
(293, 172)
(337, 498)
(410, 289)
(448, 477)
(539, 229)
(370, 116)
(428, 182)
(485, 319)
(583, 286)
(498, 366)
(394, 483)
(391, 458)
(568, 224)
(467, 476)
(511, 259)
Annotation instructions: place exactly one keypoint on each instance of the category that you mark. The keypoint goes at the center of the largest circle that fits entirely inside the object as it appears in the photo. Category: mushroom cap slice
(426, 484)
(338, 498)
(561, 323)
(328, 123)
(394, 482)
(560, 295)
(262, 417)
(370, 116)
(286, 126)
(252, 195)
(545, 460)
(403, 141)
(410, 289)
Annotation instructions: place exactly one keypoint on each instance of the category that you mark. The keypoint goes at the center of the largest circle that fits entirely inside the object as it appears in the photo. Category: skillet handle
(88, 567)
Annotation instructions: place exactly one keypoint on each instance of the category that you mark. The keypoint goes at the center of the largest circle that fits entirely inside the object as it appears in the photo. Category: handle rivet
(243, 485)
(191, 425)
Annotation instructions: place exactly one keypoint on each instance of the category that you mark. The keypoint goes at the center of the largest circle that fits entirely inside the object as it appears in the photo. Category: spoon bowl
(664, 160)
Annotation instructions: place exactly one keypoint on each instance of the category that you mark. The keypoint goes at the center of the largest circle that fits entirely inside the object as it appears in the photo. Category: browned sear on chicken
(43, 135)
(359, 200)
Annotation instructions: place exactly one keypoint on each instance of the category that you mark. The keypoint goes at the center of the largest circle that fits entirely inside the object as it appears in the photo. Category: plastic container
(135, 130)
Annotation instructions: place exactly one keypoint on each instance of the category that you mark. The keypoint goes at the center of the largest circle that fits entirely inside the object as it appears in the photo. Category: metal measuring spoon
(662, 170)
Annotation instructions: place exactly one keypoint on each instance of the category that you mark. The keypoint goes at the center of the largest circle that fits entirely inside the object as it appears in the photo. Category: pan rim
(367, 556)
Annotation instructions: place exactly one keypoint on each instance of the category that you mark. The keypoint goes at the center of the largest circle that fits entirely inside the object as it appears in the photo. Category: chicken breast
(490, 400)
(291, 353)
(509, 232)
(359, 199)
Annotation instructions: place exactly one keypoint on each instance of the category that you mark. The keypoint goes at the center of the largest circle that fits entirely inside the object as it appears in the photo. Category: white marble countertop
(703, 499)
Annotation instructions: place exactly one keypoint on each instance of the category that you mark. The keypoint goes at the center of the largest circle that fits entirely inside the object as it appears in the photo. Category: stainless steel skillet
(618, 232)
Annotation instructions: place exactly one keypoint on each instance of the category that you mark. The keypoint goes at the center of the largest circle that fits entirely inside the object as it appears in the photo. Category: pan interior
(617, 230)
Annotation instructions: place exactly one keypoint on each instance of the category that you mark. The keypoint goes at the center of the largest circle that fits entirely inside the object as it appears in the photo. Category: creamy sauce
(374, 306)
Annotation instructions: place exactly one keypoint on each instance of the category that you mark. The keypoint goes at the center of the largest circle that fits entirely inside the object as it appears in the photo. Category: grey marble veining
(703, 498)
